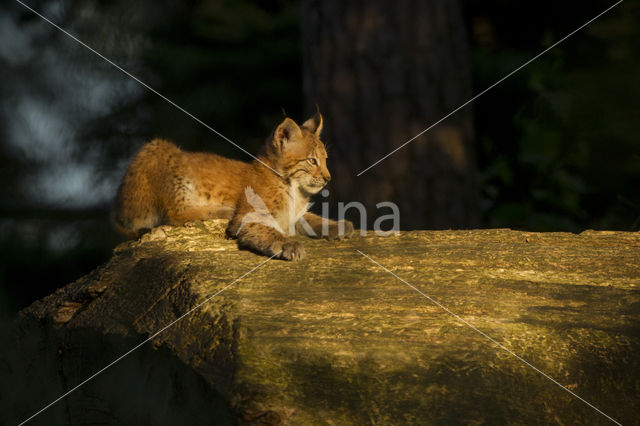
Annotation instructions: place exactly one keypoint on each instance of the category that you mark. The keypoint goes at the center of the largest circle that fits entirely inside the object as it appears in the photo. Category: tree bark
(336, 339)
(381, 72)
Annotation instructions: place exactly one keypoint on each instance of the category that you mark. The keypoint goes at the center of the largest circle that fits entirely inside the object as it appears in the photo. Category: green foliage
(559, 147)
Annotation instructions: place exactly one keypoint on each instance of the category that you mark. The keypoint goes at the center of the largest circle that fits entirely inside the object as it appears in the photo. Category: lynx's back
(265, 201)
(165, 185)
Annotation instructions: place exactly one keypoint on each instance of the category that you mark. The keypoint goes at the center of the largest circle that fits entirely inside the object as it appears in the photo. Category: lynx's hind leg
(137, 207)
(135, 211)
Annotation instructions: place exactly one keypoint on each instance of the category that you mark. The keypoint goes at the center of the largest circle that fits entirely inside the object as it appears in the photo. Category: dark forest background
(553, 148)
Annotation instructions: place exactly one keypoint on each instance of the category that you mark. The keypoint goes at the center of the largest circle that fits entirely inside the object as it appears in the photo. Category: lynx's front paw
(290, 250)
(339, 230)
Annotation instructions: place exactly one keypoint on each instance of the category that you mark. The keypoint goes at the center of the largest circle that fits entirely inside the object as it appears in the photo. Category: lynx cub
(164, 185)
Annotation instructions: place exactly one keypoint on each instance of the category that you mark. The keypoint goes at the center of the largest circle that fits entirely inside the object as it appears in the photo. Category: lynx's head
(298, 153)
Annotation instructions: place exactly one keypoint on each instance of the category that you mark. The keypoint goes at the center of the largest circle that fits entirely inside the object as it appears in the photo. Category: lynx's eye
(312, 161)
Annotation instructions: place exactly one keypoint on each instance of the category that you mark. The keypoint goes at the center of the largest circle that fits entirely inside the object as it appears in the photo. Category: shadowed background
(553, 148)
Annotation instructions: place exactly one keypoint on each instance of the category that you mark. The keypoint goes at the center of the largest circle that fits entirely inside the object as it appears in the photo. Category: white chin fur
(311, 189)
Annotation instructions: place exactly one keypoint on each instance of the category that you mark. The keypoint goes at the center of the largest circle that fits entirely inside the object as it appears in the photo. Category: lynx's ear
(285, 133)
(314, 124)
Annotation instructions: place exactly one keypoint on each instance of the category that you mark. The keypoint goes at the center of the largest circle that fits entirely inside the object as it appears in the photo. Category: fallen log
(336, 338)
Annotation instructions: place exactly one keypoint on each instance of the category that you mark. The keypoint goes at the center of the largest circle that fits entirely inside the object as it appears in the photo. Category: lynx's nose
(327, 177)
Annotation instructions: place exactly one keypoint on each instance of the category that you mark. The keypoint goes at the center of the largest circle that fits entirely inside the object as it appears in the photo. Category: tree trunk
(334, 338)
(381, 72)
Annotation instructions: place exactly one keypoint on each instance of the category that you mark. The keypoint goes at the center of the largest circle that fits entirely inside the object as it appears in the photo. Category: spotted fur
(165, 185)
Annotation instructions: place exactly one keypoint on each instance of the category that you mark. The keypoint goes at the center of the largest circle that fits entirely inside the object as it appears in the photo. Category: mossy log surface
(336, 339)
